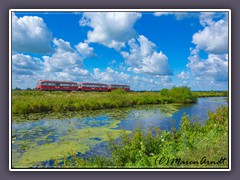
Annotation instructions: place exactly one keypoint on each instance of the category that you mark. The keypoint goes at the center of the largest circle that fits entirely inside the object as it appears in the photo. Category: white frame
(119, 10)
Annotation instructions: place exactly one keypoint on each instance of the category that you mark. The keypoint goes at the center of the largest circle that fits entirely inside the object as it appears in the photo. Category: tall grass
(192, 146)
(210, 94)
(24, 102)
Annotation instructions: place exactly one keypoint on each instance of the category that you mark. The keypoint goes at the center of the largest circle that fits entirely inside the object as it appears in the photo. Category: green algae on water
(80, 141)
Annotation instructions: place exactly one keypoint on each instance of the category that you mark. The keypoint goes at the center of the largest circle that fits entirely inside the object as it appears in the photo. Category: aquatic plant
(75, 142)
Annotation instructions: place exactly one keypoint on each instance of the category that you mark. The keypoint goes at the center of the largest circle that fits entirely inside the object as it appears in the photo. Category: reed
(25, 102)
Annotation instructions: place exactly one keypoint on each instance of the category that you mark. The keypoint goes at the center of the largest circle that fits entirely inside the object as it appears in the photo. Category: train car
(118, 86)
(87, 86)
(46, 85)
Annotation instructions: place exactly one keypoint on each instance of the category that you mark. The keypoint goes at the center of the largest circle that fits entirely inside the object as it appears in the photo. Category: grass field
(25, 102)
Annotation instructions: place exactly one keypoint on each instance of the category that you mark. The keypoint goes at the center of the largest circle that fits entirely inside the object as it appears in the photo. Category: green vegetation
(197, 146)
(178, 95)
(210, 93)
(67, 145)
(73, 142)
(26, 102)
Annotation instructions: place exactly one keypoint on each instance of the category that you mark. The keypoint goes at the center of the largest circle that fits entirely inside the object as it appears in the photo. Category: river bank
(26, 102)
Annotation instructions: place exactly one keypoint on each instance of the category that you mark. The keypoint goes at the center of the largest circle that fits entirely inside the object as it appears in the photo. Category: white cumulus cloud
(183, 75)
(30, 34)
(178, 15)
(111, 29)
(65, 64)
(25, 64)
(214, 37)
(215, 67)
(63, 57)
(84, 49)
(143, 58)
(110, 76)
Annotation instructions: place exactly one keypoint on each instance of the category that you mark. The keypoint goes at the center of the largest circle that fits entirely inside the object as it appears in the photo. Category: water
(156, 118)
(86, 135)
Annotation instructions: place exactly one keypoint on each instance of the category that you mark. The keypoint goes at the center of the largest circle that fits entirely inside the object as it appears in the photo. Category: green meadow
(25, 102)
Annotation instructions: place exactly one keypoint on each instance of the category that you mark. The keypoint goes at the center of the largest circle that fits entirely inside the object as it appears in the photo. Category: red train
(45, 85)
(118, 86)
(85, 86)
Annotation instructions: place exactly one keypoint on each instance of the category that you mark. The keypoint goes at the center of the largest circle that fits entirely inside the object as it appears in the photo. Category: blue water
(155, 118)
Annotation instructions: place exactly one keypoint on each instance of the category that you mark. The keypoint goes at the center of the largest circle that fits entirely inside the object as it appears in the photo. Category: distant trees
(225, 93)
(17, 89)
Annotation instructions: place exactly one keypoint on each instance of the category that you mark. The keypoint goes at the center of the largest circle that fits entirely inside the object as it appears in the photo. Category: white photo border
(119, 10)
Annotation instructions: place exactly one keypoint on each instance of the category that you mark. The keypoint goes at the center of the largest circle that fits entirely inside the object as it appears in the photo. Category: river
(37, 142)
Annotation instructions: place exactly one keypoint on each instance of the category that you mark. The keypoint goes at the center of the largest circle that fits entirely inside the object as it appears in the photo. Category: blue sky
(147, 50)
